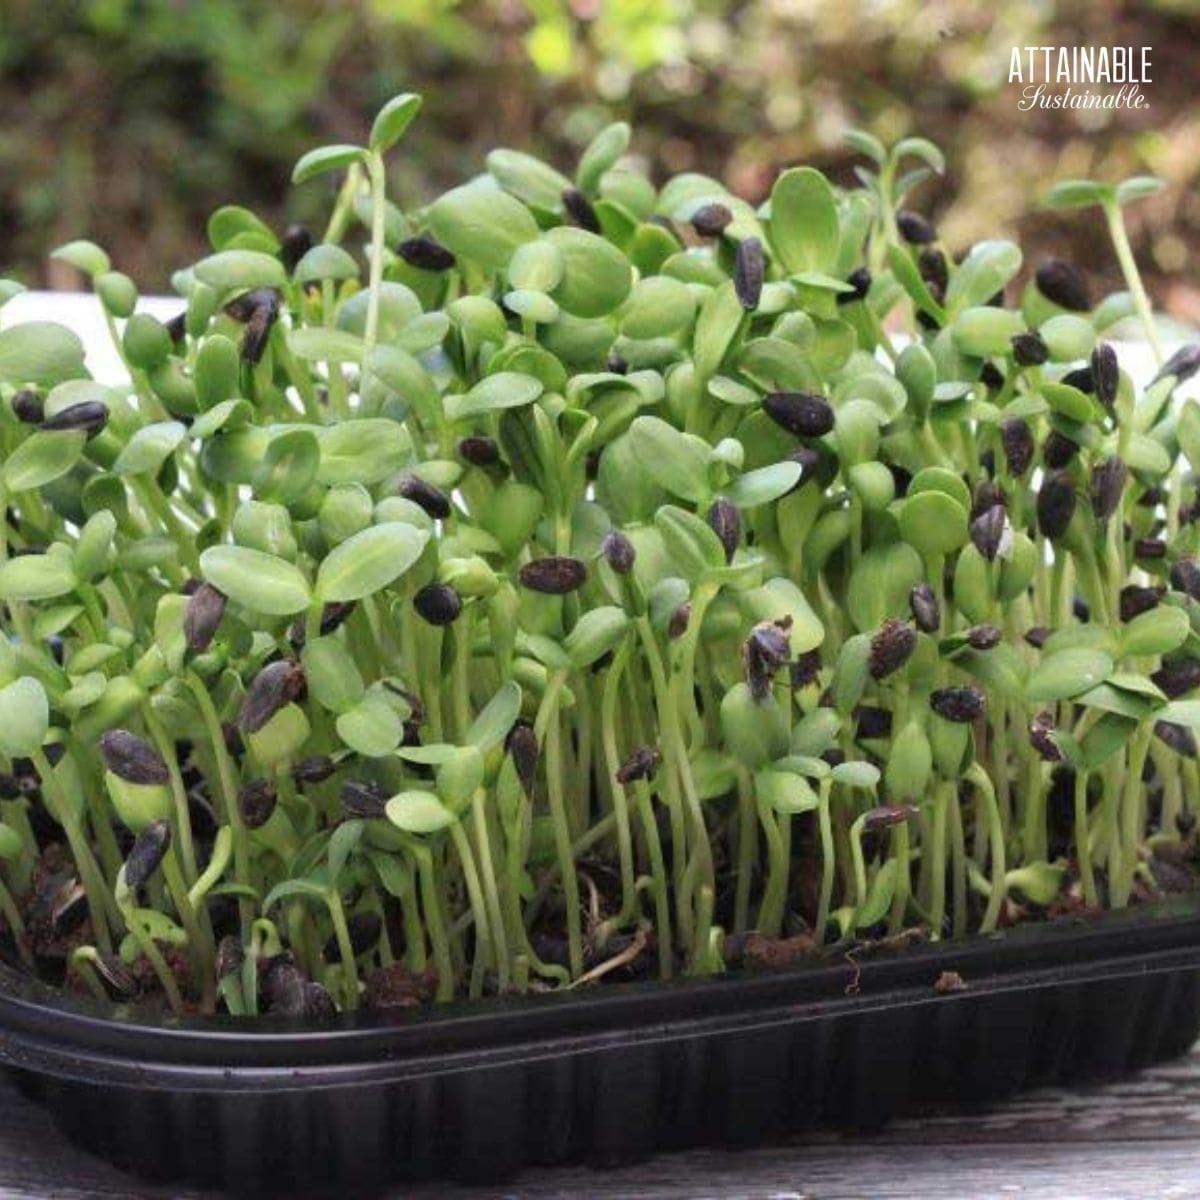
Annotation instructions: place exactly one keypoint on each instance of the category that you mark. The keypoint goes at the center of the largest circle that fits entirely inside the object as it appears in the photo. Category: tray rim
(78, 1038)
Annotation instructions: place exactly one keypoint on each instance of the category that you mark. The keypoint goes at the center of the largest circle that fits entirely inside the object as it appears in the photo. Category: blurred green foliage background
(129, 120)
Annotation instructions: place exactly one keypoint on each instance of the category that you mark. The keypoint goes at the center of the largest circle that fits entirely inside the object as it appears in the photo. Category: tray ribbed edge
(731, 1062)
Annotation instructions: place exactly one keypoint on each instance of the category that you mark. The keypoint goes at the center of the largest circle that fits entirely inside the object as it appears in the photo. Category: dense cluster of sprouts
(596, 585)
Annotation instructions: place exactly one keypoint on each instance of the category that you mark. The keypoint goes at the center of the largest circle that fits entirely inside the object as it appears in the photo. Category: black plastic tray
(611, 1074)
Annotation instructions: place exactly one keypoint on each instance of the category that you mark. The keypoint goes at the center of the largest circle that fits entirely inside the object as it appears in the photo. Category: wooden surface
(1136, 1139)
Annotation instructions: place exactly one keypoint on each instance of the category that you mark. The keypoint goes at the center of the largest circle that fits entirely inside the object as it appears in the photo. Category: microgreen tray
(608, 1075)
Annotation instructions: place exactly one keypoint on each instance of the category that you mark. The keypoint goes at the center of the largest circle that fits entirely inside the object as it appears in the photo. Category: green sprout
(574, 580)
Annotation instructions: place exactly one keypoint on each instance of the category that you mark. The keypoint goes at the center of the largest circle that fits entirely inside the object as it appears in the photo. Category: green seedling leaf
(42, 458)
(922, 148)
(764, 485)
(24, 717)
(866, 144)
(482, 224)
(325, 261)
(1077, 193)
(392, 122)
(595, 633)
(816, 732)
(1106, 738)
(38, 576)
(317, 344)
(84, 256)
(11, 843)
(601, 155)
(857, 774)
(419, 812)
(536, 266)
(1138, 188)
(1069, 402)
(492, 725)
(596, 276)
(1068, 338)
(95, 541)
(342, 843)
(720, 319)
(933, 523)
(879, 897)
(372, 727)
(324, 159)
(230, 270)
(755, 733)
(529, 179)
(785, 791)
(260, 582)
(909, 764)
(149, 448)
(369, 561)
(658, 306)
(232, 225)
(880, 583)
(986, 270)
(804, 221)
(694, 548)
(39, 352)
(1158, 631)
(365, 451)
(494, 393)
(308, 889)
(1067, 673)
(331, 674)
(459, 776)
(672, 459)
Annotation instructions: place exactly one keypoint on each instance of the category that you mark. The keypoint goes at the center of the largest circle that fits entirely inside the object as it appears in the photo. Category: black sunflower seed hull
(256, 803)
(803, 414)
(432, 499)
(28, 408)
(426, 254)
(1106, 486)
(1016, 438)
(1028, 349)
(618, 551)
(641, 764)
(554, 575)
(296, 242)
(363, 801)
(725, 521)
(579, 208)
(522, 748)
(205, 608)
(959, 704)
(438, 604)
(1106, 374)
(276, 685)
(914, 228)
(1135, 600)
(89, 415)
(1185, 576)
(130, 758)
(711, 220)
(923, 605)
(987, 531)
(479, 451)
(149, 849)
(1056, 505)
(891, 648)
(1064, 284)
(749, 271)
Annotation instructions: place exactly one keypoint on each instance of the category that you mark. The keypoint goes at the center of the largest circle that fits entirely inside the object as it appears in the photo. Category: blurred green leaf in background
(132, 119)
